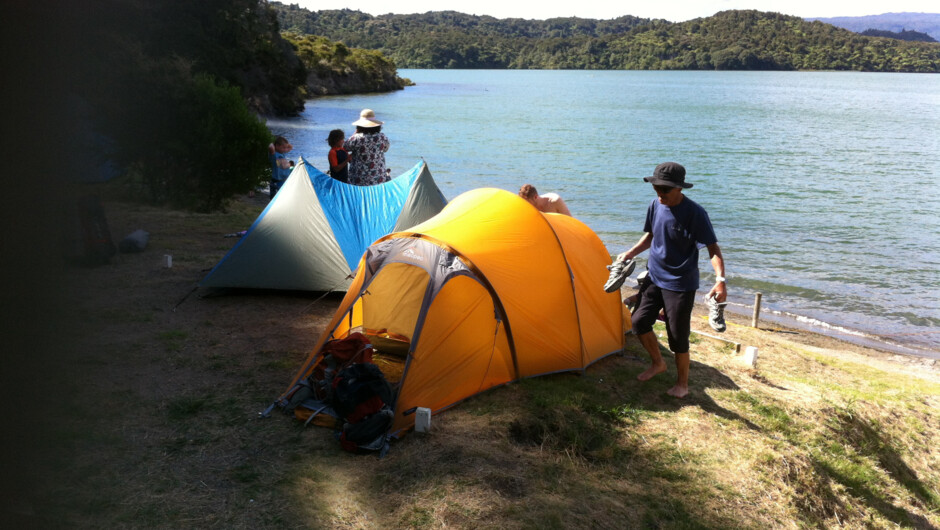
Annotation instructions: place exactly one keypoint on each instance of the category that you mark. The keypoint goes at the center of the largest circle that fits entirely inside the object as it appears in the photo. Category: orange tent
(487, 292)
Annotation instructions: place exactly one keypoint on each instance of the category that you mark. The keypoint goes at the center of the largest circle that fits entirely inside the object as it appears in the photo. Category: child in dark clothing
(281, 166)
(338, 157)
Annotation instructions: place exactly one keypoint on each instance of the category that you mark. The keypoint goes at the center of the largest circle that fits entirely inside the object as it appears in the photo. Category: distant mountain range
(928, 23)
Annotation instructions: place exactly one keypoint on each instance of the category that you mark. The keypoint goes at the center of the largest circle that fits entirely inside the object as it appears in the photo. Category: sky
(672, 10)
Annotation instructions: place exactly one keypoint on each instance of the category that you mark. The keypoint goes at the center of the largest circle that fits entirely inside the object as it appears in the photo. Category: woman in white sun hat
(367, 151)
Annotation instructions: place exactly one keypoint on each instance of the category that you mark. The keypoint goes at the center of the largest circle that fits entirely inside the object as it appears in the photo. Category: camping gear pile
(349, 391)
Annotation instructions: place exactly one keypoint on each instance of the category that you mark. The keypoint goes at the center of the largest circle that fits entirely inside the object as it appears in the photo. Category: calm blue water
(822, 187)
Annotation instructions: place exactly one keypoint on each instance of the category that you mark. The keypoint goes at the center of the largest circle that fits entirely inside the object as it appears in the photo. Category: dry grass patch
(154, 423)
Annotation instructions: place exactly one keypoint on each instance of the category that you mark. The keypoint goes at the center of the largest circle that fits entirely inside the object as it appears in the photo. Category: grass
(184, 408)
(152, 421)
(172, 340)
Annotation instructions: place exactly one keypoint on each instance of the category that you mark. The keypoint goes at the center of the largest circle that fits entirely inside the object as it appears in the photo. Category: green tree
(176, 86)
(338, 69)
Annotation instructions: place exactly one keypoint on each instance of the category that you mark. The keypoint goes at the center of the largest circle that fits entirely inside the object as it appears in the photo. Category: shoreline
(773, 327)
(819, 327)
(853, 336)
(742, 313)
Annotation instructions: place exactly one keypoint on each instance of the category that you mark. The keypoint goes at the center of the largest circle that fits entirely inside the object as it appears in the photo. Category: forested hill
(448, 39)
(730, 40)
(910, 35)
(370, 31)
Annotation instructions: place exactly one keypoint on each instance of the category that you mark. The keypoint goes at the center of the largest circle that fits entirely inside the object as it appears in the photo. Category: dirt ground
(147, 412)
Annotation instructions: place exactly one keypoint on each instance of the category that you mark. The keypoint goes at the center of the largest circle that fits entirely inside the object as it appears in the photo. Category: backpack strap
(319, 410)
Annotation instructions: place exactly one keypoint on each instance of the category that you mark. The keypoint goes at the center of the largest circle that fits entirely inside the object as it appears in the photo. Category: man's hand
(719, 292)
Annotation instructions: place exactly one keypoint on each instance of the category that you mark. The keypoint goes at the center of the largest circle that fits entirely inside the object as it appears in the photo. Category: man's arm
(720, 290)
(644, 243)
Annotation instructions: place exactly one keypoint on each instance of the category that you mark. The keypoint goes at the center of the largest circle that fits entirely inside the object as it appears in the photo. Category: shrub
(192, 142)
(225, 147)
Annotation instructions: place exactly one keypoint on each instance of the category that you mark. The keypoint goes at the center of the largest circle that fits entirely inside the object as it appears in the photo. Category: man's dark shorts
(678, 309)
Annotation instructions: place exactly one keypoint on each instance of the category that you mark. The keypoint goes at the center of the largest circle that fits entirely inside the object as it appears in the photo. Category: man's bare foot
(678, 391)
(652, 371)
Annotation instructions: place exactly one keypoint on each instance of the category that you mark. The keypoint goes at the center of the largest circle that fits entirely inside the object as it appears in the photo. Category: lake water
(823, 187)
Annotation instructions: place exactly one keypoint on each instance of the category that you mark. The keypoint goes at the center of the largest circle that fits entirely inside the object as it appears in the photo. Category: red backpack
(362, 398)
(336, 355)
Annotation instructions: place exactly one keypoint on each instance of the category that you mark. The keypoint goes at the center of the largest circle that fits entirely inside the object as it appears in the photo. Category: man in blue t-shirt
(676, 227)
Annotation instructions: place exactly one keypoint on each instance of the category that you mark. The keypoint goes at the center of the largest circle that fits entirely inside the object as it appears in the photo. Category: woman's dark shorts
(677, 306)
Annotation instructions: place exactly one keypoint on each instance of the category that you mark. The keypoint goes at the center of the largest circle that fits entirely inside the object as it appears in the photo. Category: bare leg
(658, 366)
(682, 381)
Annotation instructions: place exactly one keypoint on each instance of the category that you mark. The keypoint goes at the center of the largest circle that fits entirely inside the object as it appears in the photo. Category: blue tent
(314, 231)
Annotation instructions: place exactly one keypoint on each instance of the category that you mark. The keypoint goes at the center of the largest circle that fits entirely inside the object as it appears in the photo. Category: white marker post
(423, 419)
(750, 356)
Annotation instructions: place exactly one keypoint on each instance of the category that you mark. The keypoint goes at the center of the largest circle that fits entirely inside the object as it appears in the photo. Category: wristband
(719, 279)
